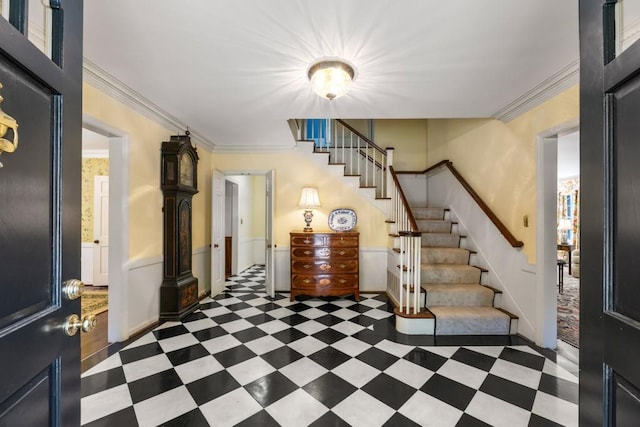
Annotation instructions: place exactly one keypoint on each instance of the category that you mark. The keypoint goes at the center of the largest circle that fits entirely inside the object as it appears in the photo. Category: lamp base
(307, 229)
(308, 215)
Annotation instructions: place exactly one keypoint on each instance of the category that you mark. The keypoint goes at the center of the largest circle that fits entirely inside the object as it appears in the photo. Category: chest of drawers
(325, 264)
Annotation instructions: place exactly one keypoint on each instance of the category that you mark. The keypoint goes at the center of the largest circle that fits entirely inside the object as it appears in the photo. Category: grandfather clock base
(178, 299)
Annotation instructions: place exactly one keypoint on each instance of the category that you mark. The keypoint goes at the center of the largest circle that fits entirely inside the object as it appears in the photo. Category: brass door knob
(96, 241)
(72, 289)
(216, 245)
(73, 323)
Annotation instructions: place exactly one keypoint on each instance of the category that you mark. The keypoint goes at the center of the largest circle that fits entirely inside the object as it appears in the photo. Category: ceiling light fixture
(331, 78)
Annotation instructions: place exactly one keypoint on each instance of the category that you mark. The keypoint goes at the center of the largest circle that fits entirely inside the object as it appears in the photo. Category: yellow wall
(408, 137)
(499, 159)
(90, 169)
(145, 198)
(293, 171)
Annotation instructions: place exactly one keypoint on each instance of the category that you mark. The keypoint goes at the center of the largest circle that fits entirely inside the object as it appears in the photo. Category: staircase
(453, 289)
(453, 298)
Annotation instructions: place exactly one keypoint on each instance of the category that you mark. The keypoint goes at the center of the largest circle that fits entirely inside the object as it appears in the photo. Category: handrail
(405, 203)
(475, 196)
(427, 170)
(361, 136)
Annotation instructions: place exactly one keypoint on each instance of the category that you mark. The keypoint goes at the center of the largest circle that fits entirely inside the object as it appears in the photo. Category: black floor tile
(102, 381)
(398, 420)
(259, 319)
(238, 306)
(289, 335)
(249, 334)
(192, 418)
(209, 305)
(225, 318)
(426, 359)
(294, 319)
(523, 358)
(509, 391)
(198, 315)
(329, 357)
(538, 421)
(329, 419)
(377, 358)
(449, 391)
(215, 385)
(209, 333)
(154, 385)
(270, 388)
(388, 390)
(125, 417)
(247, 297)
(172, 331)
(559, 387)
(187, 354)
(234, 355)
(140, 352)
(268, 306)
(475, 359)
(281, 357)
(329, 320)
(259, 419)
(329, 336)
(329, 389)
(329, 308)
(468, 421)
(367, 335)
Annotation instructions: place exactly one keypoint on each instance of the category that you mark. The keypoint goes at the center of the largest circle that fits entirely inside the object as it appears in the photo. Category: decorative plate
(342, 219)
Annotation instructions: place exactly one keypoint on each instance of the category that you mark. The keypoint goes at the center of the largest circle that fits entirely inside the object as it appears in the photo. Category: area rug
(569, 310)
(94, 301)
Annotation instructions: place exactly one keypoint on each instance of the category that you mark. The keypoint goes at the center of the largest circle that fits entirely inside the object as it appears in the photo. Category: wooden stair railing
(401, 211)
(513, 241)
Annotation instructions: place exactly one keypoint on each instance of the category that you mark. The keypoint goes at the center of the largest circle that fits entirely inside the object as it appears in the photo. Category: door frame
(119, 149)
(546, 185)
(235, 219)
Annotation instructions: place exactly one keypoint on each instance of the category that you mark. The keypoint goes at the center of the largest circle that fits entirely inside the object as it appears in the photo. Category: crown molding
(254, 149)
(100, 79)
(562, 80)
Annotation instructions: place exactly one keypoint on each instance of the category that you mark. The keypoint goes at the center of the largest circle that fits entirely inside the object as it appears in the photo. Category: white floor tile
(296, 409)
(356, 372)
(109, 363)
(348, 328)
(409, 373)
(177, 342)
(199, 368)
(464, 374)
(428, 411)
(237, 325)
(221, 343)
(307, 345)
(164, 407)
(377, 314)
(313, 313)
(303, 371)
(264, 344)
(250, 370)
(231, 408)
(361, 409)
(198, 325)
(555, 409)
(274, 326)
(497, 412)
(399, 350)
(517, 373)
(217, 311)
(351, 346)
(345, 313)
(310, 327)
(145, 367)
(281, 312)
(104, 403)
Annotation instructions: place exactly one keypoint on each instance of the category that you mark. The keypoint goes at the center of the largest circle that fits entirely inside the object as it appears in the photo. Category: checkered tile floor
(245, 359)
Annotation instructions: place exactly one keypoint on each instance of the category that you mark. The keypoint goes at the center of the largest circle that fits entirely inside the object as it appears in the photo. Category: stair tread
(468, 312)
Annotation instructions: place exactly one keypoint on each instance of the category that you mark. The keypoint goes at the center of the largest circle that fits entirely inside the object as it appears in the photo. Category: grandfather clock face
(186, 170)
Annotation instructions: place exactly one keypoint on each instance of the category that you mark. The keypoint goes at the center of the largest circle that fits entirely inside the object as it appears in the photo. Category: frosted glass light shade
(331, 79)
(309, 198)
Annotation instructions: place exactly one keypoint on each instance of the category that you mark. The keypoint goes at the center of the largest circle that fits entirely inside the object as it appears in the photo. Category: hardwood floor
(95, 340)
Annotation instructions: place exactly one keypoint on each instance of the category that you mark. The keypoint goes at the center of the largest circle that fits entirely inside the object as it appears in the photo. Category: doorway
(547, 234)
(247, 223)
(115, 148)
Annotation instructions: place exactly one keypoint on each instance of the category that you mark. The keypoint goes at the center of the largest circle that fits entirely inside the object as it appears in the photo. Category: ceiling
(235, 71)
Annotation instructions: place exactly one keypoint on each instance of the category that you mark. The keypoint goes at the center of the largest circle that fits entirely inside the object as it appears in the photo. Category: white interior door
(269, 281)
(217, 232)
(101, 231)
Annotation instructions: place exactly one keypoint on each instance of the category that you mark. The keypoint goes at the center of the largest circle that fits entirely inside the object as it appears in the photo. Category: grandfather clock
(179, 182)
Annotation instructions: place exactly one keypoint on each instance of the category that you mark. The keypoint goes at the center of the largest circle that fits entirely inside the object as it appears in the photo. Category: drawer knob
(343, 281)
(342, 252)
(307, 266)
(308, 252)
(325, 267)
(307, 281)
(306, 241)
(342, 266)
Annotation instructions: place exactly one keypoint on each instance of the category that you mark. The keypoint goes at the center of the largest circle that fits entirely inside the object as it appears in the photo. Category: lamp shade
(331, 79)
(565, 224)
(309, 198)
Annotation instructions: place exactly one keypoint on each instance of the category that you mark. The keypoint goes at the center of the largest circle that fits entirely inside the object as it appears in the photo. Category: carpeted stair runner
(454, 293)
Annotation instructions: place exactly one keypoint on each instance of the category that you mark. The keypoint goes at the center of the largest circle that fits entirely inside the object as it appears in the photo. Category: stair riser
(444, 256)
(432, 226)
(470, 298)
(472, 327)
(428, 213)
(441, 240)
(438, 274)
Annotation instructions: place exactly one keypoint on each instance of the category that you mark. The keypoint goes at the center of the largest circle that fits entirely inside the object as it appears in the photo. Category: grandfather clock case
(179, 289)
